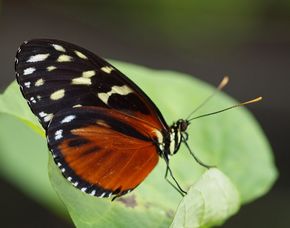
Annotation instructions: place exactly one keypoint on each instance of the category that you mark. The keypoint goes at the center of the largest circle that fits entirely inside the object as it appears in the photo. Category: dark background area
(248, 40)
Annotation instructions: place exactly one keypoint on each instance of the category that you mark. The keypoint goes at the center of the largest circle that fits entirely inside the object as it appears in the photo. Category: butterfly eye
(183, 125)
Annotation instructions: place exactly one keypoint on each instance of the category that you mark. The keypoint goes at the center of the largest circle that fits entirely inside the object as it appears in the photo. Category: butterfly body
(104, 132)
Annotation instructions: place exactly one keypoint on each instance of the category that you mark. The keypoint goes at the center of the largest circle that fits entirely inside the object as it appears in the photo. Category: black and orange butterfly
(104, 132)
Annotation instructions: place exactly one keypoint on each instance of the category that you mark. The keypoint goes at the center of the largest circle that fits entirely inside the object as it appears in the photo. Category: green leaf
(232, 141)
(12, 103)
(211, 200)
(23, 162)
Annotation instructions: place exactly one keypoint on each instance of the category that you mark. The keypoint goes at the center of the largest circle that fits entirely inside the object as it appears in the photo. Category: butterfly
(104, 133)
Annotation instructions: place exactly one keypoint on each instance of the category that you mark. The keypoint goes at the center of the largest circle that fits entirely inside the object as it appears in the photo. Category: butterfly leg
(176, 186)
(196, 158)
(115, 197)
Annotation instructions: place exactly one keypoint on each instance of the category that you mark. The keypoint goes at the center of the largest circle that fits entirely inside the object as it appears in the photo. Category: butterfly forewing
(101, 151)
(54, 75)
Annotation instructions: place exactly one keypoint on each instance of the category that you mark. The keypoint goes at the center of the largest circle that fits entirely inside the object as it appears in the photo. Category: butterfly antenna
(231, 107)
(222, 84)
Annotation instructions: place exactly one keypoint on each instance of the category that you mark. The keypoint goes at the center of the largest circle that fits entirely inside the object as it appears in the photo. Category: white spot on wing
(93, 192)
(37, 58)
(77, 105)
(68, 119)
(121, 90)
(103, 194)
(81, 81)
(88, 73)
(58, 47)
(104, 97)
(57, 94)
(39, 82)
(27, 84)
(83, 189)
(107, 69)
(58, 134)
(42, 114)
(64, 58)
(29, 70)
(48, 117)
(81, 55)
(32, 99)
(50, 68)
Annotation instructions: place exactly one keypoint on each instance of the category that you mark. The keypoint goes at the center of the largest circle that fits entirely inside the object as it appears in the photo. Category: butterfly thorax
(173, 137)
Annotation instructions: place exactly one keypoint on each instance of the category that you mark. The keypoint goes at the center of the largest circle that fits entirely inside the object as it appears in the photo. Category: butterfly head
(182, 125)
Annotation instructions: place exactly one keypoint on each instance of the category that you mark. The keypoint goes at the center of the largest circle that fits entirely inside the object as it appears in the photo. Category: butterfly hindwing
(102, 151)
(55, 75)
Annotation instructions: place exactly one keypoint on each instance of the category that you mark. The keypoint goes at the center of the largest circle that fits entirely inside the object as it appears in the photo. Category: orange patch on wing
(110, 159)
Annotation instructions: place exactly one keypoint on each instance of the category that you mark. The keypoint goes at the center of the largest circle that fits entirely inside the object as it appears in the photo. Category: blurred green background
(248, 40)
